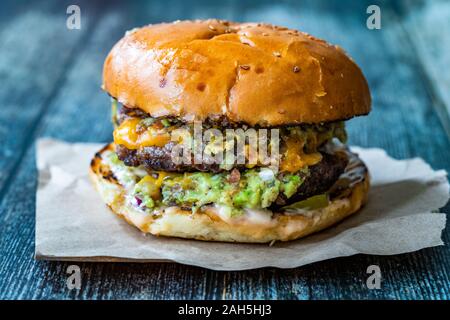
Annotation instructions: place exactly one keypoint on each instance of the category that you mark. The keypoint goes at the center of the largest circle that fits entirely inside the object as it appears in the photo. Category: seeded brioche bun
(257, 74)
(209, 226)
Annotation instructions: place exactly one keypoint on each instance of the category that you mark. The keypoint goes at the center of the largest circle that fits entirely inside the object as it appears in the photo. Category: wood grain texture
(63, 100)
(424, 22)
(31, 74)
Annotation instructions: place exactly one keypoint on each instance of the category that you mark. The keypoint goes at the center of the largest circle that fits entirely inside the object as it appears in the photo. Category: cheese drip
(134, 136)
(294, 159)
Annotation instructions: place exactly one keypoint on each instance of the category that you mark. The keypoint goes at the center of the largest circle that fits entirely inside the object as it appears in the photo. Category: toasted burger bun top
(257, 74)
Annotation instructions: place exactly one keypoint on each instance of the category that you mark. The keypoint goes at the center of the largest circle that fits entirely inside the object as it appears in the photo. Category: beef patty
(320, 179)
(160, 159)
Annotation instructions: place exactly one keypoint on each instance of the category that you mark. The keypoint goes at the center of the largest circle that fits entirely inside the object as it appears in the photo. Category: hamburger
(221, 77)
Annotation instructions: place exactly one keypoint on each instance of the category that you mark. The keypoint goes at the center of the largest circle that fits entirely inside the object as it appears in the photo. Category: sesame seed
(212, 28)
(277, 54)
(245, 67)
(265, 34)
(296, 69)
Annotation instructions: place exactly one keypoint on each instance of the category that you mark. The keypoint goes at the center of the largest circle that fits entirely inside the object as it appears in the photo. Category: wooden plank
(17, 207)
(31, 72)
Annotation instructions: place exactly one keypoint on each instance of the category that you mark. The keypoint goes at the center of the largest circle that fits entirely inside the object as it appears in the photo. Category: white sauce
(250, 216)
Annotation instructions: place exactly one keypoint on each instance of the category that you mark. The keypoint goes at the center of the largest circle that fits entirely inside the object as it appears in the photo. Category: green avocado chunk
(256, 188)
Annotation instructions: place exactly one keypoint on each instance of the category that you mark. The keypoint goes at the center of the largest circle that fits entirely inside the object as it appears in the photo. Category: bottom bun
(349, 194)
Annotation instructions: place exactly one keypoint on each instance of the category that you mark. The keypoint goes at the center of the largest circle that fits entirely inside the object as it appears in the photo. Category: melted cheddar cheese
(128, 135)
(152, 185)
(295, 159)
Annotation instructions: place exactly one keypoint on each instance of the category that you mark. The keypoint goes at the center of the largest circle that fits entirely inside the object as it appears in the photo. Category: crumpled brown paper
(72, 222)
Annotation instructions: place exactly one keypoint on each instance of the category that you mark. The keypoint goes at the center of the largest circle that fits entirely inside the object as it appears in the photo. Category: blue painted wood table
(50, 86)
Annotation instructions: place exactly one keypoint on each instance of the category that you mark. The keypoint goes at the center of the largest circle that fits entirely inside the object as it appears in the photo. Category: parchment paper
(72, 222)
